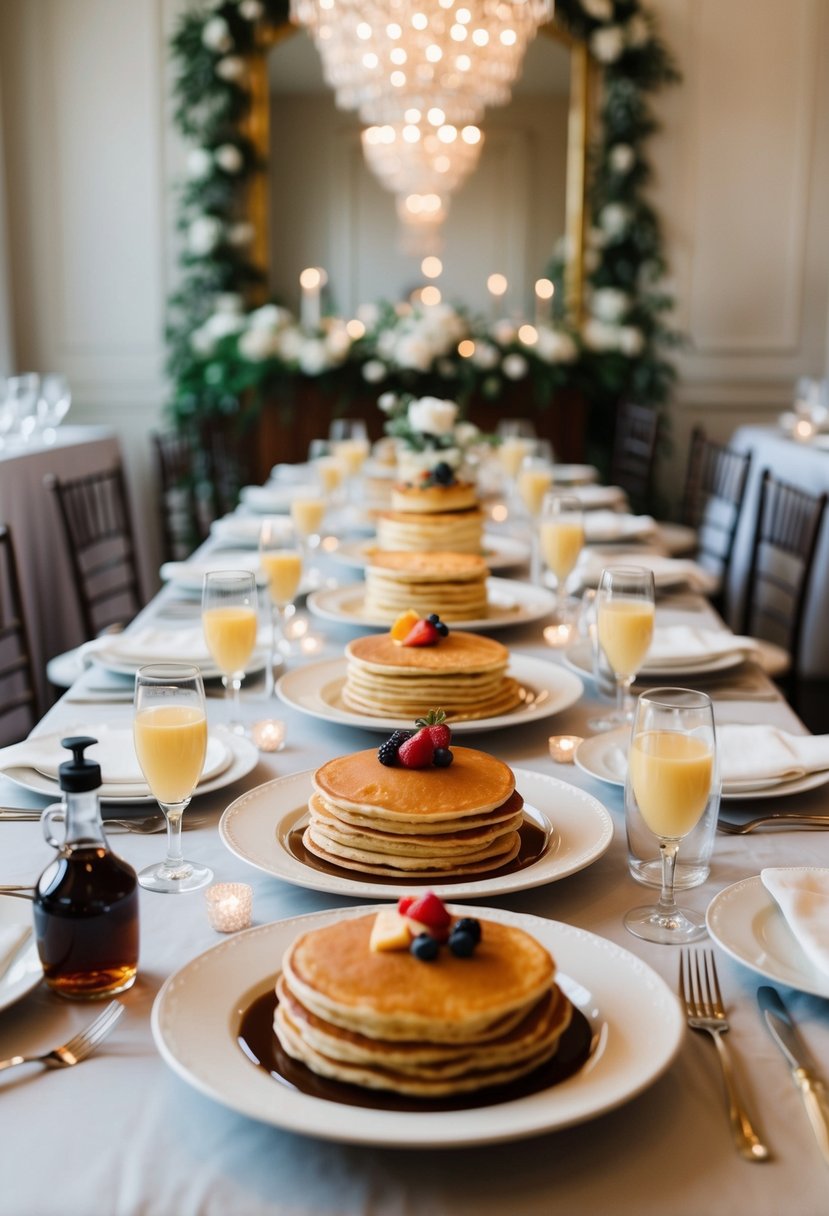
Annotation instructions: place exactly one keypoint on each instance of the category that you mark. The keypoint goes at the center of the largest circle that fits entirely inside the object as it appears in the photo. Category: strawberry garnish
(431, 912)
(405, 902)
(417, 752)
(435, 723)
(424, 633)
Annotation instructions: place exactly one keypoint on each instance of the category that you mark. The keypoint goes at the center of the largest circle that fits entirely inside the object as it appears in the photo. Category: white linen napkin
(676, 645)
(756, 755)
(614, 525)
(153, 644)
(802, 894)
(667, 571)
(12, 937)
(115, 752)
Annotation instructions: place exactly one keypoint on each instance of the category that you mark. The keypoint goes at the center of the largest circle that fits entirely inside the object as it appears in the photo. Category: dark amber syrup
(86, 923)
(533, 844)
(257, 1039)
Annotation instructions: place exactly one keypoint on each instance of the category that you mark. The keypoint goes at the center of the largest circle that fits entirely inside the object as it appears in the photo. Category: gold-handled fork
(699, 991)
(78, 1048)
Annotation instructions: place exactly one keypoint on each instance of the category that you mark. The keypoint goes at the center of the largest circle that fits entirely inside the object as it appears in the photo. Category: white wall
(742, 171)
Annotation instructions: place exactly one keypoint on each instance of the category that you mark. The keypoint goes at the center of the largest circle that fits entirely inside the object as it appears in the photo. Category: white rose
(216, 35)
(637, 31)
(240, 234)
(312, 357)
(374, 371)
(607, 44)
(609, 303)
(199, 163)
(251, 10)
(257, 344)
(598, 335)
(386, 344)
(337, 343)
(622, 158)
(204, 235)
(223, 323)
(411, 351)
(599, 10)
(614, 219)
(631, 341)
(229, 158)
(503, 332)
(515, 367)
(555, 347)
(269, 316)
(201, 342)
(230, 68)
(289, 343)
(466, 433)
(431, 416)
(229, 301)
(486, 356)
(387, 402)
(369, 314)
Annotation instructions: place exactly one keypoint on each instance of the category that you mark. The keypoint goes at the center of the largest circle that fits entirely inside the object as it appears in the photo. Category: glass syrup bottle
(86, 900)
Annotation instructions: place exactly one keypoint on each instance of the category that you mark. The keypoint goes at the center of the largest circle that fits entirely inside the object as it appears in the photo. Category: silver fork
(699, 990)
(78, 1048)
(781, 819)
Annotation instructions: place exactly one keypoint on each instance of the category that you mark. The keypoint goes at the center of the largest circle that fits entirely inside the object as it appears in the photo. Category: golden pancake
(416, 861)
(461, 532)
(459, 652)
(475, 782)
(461, 496)
(439, 566)
(414, 824)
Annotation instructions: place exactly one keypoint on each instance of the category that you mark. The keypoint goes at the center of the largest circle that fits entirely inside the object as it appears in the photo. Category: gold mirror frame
(256, 128)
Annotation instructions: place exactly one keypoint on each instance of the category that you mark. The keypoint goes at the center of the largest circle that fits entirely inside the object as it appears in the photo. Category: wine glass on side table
(230, 624)
(170, 733)
(672, 775)
(625, 611)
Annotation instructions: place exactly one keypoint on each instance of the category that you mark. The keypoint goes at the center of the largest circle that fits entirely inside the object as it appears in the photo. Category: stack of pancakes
(451, 584)
(416, 822)
(463, 673)
(388, 1021)
(428, 518)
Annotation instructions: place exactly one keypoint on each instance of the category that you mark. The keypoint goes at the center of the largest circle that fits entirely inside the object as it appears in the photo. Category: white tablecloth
(807, 467)
(122, 1134)
(51, 609)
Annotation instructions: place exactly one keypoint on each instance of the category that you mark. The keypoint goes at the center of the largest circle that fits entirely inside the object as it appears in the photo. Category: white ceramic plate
(604, 756)
(636, 1019)
(579, 658)
(257, 825)
(24, 972)
(747, 923)
(510, 603)
(315, 689)
(603, 527)
(500, 552)
(244, 758)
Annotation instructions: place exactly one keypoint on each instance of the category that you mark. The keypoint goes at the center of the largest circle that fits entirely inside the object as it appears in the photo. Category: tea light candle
(229, 906)
(563, 747)
(559, 635)
(268, 735)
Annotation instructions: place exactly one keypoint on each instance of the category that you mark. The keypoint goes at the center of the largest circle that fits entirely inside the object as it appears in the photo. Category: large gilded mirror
(321, 205)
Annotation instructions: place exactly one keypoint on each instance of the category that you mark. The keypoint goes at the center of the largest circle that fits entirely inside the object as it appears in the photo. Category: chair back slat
(185, 493)
(100, 542)
(715, 485)
(634, 452)
(19, 710)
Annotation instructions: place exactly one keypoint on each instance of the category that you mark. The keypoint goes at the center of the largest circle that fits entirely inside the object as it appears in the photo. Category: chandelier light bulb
(496, 285)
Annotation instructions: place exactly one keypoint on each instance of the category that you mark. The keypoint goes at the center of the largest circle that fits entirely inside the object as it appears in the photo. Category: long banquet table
(122, 1134)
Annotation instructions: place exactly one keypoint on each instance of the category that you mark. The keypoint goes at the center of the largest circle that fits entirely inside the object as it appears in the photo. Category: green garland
(214, 358)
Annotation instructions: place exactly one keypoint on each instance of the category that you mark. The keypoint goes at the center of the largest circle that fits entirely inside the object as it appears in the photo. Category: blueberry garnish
(425, 948)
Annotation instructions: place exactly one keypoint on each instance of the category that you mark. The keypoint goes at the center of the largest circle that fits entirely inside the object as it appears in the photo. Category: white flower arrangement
(431, 416)
(621, 158)
(229, 158)
(216, 35)
(204, 234)
(607, 44)
(231, 68)
(610, 304)
(599, 10)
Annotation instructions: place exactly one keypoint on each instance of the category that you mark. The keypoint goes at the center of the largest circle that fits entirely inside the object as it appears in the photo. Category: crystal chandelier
(421, 73)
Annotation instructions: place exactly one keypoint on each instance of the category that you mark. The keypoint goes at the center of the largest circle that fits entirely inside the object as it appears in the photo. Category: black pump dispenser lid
(79, 775)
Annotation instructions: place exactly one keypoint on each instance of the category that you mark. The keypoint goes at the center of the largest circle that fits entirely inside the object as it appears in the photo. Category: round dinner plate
(189, 575)
(257, 826)
(244, 757)
(604, 756)
(635, 1018)
(23, 971)
(770, 658)
(276, 499)
(499, 553)
(605, 527)
(316, 688)
(747, 923)
(510, 603)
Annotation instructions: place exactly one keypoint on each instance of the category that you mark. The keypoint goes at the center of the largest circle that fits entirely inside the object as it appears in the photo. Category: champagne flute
(280, 559)
(624, 629)
(535, 476)
(307, 515)
(229, 621)
(561, 532)
(672, 776)
(350, 445)
(170, 733)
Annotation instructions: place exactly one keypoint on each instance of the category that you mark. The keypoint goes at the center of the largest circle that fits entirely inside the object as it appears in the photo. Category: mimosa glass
(535, 477)
(625, 613)
(280, 559)
(671, 778)
(170, 733)
(350, 445)
(561, 533)
(307, 516)
(230, 623)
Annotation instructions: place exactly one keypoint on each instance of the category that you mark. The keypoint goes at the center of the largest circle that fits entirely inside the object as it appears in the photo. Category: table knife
(804, 1070)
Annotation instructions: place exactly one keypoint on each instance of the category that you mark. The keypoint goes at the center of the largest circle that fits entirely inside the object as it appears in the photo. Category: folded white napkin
(153, 644)
(115, 752)
(191, 573)
(802, 894)
(675, 645)
(667, 571)
(12, 937)
(613, 525)
(757, 755)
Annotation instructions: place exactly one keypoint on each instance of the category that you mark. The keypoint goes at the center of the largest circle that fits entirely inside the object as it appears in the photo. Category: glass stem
(668, 850)
(622, 686)
(535, 555)
(173, 812)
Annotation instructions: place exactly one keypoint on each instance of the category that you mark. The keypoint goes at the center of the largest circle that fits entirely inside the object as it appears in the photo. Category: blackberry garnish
(387, 752)
(443, 474)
